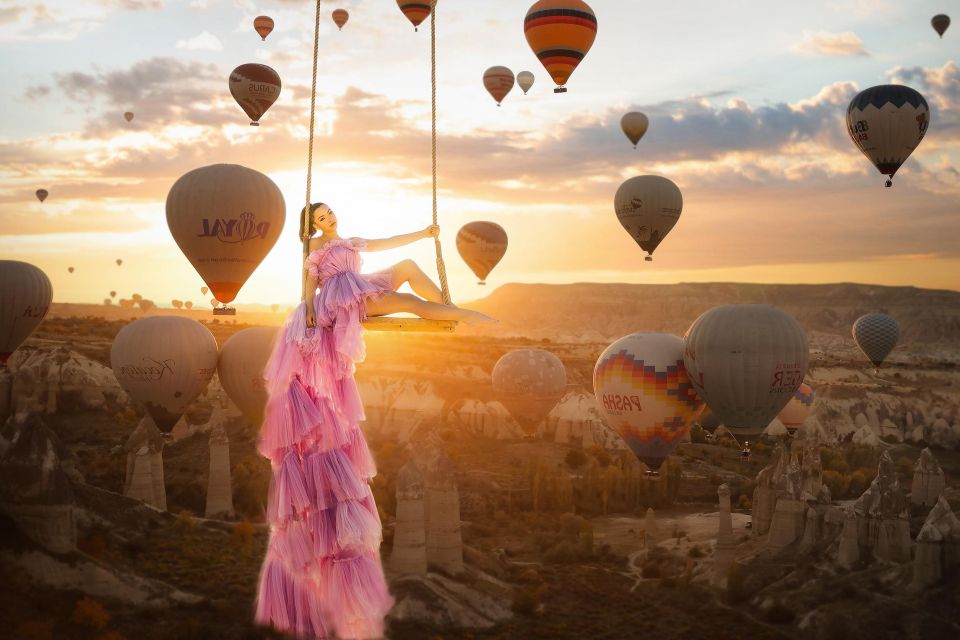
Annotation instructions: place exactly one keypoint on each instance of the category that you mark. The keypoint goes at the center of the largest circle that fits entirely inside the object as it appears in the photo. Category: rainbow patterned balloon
(642, 387)
(798, 408)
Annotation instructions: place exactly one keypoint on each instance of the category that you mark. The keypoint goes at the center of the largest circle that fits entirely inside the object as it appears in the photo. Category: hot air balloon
(525, 79)
(25, 295)
(69, 269)
(634, 125)
(203, 290)
(242, 359)
(940, 23)
(498, 81)
(482, 245)
(177, 304)
(274, 307)
(128, 115)
(798, 408)
(225, 218)
(107, 302)
(255, 87)
(164, 363)
(113, 294)
(642, 387)
(119, 262)
(648, 207)
(188, 304)
(263, 26)
(560, 32)
(529, 382)
(416, 12)
(136, 297)
(746, 361)
(213, 302)
(876, 334)
(887, 122)
(340, 17)
(42, 194)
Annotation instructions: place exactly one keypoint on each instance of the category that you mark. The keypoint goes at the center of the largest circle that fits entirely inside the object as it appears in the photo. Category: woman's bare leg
(408, 303)
(422, 285)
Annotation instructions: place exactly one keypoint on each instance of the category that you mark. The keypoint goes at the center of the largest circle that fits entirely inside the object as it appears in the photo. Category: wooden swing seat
(389, 323)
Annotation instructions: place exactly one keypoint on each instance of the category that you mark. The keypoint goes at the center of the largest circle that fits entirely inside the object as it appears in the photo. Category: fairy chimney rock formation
(766, 493)
(938, 546)
(848, 551)
(219, 488)
(442, 514)
(883, 516)
(928, 480)
(144, 478)
(409, 555)
(650, 525)
(35, 491)
(723, 552)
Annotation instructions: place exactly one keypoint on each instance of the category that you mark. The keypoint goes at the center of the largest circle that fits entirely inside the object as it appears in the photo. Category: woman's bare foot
(475, 317)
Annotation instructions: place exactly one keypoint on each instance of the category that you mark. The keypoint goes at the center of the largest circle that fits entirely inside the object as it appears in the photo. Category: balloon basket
(482, 283)
(651, 474)
(648, 259)
(224, 311)
(560, 90)
(888, 183)
(254, 124)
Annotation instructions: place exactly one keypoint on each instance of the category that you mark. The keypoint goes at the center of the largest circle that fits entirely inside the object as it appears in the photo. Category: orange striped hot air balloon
(340, 17)
(415, 11)
(482, 245)
(560, 32)
(263, 26)
(498, 81)
(255, 87)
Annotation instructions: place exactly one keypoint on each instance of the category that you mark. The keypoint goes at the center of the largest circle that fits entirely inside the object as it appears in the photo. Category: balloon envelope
(940, 23)
(128, 115)
(255, 87)
(482, 245)
(415, 10)
(876, 334)
(634, 125)
(188, 304)
(119, 262)
(42, 194)
(887, 122)
(113, 294)
(225, 218)
(642, 387)
(240, 368)
(746, 361)
(525, 79)
(340, 17)
(25, 295)
(798, 409)
(498, 82)
(648, 207)
(70, 269)
(560, 32)
(164, 363)
(529, 382)
(263, 26)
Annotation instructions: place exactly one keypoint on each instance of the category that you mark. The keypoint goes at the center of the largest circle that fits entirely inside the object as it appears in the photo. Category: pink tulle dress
(322, 572)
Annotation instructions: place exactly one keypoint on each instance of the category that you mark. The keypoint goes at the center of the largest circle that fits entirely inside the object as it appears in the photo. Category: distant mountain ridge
(604, 311)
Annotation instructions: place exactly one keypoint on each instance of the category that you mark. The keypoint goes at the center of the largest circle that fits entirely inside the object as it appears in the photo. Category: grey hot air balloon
(164, 363)
(876, 334)
(25, 295)
(648, 207)
(242, 359)
(940, 23)
(887, 122)
(529, 382)
(746, 361)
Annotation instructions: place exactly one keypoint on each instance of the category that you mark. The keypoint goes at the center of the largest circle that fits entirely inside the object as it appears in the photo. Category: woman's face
(324, 220)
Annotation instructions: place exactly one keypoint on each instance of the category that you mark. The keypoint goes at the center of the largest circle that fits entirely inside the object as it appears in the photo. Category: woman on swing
(321, 574)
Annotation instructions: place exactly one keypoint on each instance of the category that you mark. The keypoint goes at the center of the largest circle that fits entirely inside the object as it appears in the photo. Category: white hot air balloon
(25, 296)
(648, 207)
(887, 123)
(164, 363)
(746, 361)
(525, 79)
(242, 360)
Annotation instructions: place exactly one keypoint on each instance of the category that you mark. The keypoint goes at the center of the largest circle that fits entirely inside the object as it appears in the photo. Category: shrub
(696, 552)
(575, 458)
(90, 613)
(242, 535)
(744, 503)
(35, 630)
(651, 570)
(184, 522)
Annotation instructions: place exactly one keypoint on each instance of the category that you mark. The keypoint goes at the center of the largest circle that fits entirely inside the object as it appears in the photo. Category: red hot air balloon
(263, 25)
(255, 87)
(498, 82)
(416, 12)
(340, 17)
(560, 32)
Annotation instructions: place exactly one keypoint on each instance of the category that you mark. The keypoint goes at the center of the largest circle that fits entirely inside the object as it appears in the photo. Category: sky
(746, 101)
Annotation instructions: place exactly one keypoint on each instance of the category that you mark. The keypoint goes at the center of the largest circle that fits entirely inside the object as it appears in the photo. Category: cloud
(205, 41)
(838, 45)
(133, 5)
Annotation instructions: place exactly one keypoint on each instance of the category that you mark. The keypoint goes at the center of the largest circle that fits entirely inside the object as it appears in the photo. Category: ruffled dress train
(322, 574)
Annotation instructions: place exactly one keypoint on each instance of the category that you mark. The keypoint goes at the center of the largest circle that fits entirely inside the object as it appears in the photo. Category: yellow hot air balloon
(482, 245)
(128, 115)
(560, 32)
(525, 79)
(798, 409)
(25, 296)
(242, 359)
(255, 87)
(340, 17)
(164, 363)
(263, 26)
(634, 125)
(225, 218)
(415, 11)
(498, 82)
(42, 194)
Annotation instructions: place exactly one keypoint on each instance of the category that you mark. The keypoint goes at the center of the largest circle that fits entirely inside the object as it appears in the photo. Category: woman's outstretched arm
(313, 282)
(382, 244)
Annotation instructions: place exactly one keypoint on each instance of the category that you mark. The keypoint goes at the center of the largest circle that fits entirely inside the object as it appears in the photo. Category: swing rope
(441, 266)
